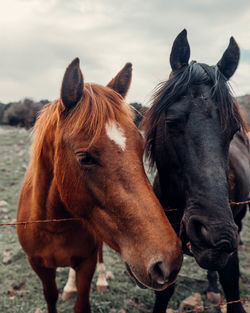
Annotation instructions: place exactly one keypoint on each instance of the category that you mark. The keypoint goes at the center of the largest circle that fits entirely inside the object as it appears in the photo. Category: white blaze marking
(116, 134)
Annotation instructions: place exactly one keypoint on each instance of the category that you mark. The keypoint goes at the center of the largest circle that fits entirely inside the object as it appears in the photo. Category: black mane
(170, 91)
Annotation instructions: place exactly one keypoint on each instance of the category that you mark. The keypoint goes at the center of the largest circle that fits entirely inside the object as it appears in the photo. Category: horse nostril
(204, 233)
(223, 239)
(225, 245)
(159, 273)
(200, 232)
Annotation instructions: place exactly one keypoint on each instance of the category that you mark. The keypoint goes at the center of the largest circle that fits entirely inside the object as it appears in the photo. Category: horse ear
(121, 82)
(180, 52)
(230, 59)
(72, 85)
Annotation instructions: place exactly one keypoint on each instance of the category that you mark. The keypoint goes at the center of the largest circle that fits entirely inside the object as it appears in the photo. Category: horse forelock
(98, 107)
(168, 92)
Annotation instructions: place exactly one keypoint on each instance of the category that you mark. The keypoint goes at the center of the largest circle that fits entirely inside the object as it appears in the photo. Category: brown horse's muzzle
(158, 272)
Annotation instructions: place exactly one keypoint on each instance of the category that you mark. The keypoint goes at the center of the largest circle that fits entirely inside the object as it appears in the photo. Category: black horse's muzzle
(211, 243)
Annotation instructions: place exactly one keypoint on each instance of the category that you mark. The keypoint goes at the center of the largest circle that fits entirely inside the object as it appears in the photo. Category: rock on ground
(3, 203)
(214, 297)
(192, 302)
(7, 255)
(247, 307)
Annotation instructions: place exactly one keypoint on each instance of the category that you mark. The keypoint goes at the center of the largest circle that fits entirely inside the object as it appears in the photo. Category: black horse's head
(188, 130)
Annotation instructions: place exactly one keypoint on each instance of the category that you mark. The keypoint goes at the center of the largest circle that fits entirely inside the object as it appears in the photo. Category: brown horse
(87, 163)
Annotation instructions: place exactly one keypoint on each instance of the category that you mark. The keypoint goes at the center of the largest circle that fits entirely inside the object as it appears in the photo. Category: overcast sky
(39, 38)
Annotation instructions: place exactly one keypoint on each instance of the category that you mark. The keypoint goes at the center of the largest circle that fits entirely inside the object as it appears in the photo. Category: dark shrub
(138, 112)
(1, 111)
(22, 113)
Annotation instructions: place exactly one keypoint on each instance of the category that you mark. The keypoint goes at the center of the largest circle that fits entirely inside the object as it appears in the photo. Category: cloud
(39, 38)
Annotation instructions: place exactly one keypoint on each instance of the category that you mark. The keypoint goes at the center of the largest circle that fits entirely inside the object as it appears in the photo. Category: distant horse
(86, 163)
(188, 132)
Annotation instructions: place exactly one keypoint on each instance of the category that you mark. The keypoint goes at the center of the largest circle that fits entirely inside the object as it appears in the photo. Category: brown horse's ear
(230, 59)
(121, 82)
(72, 85)
(180, 52)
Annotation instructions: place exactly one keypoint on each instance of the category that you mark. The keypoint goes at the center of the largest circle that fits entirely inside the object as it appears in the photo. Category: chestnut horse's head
(100, 177)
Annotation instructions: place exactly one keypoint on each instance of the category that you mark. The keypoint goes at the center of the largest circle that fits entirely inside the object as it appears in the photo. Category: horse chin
(133, 277)
(211, 259)
(145, 285)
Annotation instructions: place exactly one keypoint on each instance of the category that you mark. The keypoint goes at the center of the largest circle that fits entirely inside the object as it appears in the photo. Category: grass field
(20, 289)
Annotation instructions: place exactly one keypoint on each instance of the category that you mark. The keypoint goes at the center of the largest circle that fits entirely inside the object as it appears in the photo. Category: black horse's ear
(180, 52)
(72, 85)
(121, 82)
(230, 59)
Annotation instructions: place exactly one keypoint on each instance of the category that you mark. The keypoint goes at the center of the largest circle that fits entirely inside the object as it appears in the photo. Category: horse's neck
(45, 196)
(54, 205)
(171, 185)
(168, 196)
(46, 202)
(169, 181)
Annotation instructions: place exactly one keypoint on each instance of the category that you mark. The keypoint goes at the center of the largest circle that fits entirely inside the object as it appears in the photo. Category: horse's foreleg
(70, 288)
(84, 275)
(48, 278)
(229, 278)
(238, 220)
(162, 298)
(101, 283)
(213, 292)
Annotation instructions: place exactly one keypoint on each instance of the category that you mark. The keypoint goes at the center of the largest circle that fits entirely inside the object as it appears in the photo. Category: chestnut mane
(97, 106)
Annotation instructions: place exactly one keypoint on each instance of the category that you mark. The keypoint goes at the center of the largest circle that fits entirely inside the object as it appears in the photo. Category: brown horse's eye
(86, 159)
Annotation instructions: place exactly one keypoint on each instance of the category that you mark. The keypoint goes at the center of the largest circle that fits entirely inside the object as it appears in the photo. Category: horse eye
(86, 159)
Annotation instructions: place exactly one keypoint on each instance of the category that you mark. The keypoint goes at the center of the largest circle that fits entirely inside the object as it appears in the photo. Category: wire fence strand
(238, 203)
(54, 220)
(203, 308)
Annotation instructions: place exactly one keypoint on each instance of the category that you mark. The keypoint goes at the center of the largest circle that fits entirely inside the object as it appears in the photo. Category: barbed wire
(238, 203)
(55, 220)
(202, 308)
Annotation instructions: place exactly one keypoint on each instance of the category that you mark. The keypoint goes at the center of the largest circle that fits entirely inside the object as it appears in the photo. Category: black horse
(239, 184)
(188, 131)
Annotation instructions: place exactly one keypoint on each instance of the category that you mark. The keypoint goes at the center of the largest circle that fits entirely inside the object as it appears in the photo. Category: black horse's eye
(85, 158)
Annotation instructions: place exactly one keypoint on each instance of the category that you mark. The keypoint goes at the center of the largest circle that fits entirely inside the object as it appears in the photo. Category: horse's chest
(61, 249)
